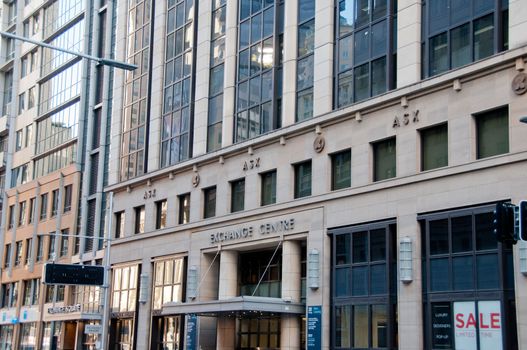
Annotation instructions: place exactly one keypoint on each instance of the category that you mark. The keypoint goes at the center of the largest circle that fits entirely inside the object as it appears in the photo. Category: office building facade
(55, 127)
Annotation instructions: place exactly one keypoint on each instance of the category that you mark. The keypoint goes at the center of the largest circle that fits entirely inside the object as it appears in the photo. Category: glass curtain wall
(364, 49)
(136, 101)
(179, 82)
(259, 73)
(306, 59)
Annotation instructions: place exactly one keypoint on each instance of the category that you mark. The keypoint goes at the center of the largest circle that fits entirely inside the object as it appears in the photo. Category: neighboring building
(273, 160)
(54, 132)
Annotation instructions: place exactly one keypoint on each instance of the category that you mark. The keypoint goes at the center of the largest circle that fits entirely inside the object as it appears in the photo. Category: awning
(236, 307)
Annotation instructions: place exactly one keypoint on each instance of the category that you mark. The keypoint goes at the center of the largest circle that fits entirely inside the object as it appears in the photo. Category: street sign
(92, 329)
(87, 275)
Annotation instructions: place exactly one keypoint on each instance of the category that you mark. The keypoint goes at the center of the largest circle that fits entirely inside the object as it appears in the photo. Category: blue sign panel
(314, 327)
(192, 332)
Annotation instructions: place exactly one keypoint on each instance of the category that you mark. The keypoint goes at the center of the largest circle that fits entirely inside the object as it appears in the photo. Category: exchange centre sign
(249, 231)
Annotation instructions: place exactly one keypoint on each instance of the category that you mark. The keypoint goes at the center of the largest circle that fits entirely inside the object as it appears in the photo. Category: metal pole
(101, 60)
(107, 268)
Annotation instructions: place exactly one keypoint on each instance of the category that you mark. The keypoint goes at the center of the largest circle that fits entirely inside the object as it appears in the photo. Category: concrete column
(144, 318)
(201, 104)
(517, 24)
(229, 87)
(291, 289)
(323, 74)
(289, 63)
(409, 296)
(408, 42)
(228, 288)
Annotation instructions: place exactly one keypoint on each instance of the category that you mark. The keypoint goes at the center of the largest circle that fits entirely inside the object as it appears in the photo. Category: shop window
(167, 332)
(209, 202)
(434, 147)
(468, 281)
(256, 265)
(139, 219)
(168, 282)
(6, 334)
(119, 224)
(28, 335)
(268, 187)
(303, 179)
(364, 287)
(184, 208)
(161, 214)
(384, 161)
(341, 170)
(237, 195)
(492, 130)
(259, 333)
(124, 289)
(51, 335)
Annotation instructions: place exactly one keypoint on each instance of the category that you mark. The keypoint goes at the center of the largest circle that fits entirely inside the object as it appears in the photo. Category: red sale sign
(487, 322)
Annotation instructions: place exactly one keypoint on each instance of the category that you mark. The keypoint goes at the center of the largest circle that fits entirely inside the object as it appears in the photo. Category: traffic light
(523, 220)
(504, 223)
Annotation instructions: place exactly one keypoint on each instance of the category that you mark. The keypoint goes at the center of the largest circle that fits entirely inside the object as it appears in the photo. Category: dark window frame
(161, 214)
(139, 220)
(375, 169)
(298, 191)
(235, 206)
(334, 181)
(422, 135)
(184, 208)
(209, 206)
(263, 179)
(494, 112)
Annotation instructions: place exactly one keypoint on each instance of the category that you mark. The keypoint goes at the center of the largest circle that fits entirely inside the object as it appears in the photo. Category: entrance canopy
(243, 306)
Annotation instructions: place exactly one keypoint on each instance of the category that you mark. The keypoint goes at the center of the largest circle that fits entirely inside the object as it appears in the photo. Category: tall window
(268, 187)
(209, 202)
(55, 198)
(161, 214)
(259, 77)
(492, 132)
(51, 246)
(64, 242)
(28, 335)
(364, 286)
(11, 217)
(184, 208)
(8, 92)
(31, 292)
(178, 84)
(43, 206)
(364, 49)
(303, 179)
(306, 62)
(22, 213)
(384, 161)
(9, 294)
(217, 58)
(237, 195)
(18, 253)
(51, 290)
(434, 147)
(136, 102)
(40, 248)
(124, 289)
(119, 224)
(139, 219)
(6, 334)
(7, 255)
(466, 273)
(67, 198)
(168, 282)
(456, 33)
(341, 170)
(29, 251)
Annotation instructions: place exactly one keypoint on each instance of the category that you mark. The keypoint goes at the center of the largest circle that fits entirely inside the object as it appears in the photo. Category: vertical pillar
(228, 288)
(408, 42)
(517, 24)
(409, 303)
(324, 43)
(229, 87)
(291, 290)
(289, 63)
(144, 315)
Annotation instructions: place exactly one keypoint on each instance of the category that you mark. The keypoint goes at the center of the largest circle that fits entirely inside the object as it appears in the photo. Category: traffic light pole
(107, 269)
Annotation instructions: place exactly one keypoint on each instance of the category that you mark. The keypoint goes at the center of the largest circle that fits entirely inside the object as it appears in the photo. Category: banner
(465, 324)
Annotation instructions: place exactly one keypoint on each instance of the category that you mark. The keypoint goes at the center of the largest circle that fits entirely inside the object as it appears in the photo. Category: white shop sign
(487, 323)
(93, 329)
